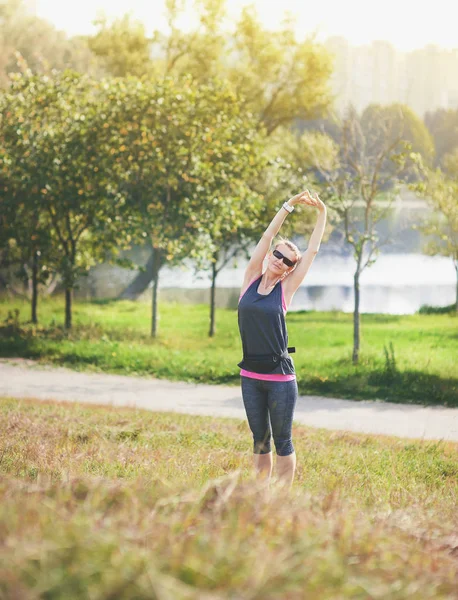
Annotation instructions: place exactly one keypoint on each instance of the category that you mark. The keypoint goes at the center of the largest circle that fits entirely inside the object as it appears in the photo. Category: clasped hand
(306, 197)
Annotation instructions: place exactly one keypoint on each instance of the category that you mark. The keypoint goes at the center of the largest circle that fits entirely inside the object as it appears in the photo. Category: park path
(23, 378)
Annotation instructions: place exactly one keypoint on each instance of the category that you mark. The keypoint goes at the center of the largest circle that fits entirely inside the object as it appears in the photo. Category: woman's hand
(307, 198)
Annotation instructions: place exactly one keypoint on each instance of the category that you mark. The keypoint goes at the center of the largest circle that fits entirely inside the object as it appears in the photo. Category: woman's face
(276, 264)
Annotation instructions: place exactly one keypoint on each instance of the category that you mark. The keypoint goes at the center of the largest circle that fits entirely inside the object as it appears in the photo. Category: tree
(25, 244)
(56, 137)
(188, 148)
(24, 237)
(440, 188)
(231, 218)
(443, 127)
(385, 124)
(122, 46)
(380, 122)
(277, 78)
(329, 124)
(360, 186)
(280, 78)
(200, 52)
(155, 154)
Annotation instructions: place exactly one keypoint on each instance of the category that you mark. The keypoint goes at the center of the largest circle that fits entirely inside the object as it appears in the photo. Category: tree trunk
(68, 308)
(140, 283)
(156, 268)
(3, 282)
(211, 333)
(34, 286)
(355, 357)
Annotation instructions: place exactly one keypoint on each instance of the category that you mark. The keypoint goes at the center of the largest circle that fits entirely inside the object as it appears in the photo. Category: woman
(268, 379)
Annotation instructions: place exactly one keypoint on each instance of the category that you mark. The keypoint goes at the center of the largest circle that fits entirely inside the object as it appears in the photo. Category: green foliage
(450, 162)
(59, 171)
(440, 189)
(443, 127)
(97, 165)
(24, 227)
(283, 78)
(294, 160)
(122, 46)
(12, 317)
(278, 78)
(182, 152)
(383, 125)
(200, 52)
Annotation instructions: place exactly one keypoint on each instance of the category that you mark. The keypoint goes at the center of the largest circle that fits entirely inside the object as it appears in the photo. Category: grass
(407, 358)
(123, 503)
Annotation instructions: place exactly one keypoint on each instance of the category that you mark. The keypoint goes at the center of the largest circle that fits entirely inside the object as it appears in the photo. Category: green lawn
(123, 503)
(114, 336)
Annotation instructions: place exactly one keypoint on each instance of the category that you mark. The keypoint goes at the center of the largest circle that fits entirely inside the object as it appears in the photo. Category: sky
(406, 24)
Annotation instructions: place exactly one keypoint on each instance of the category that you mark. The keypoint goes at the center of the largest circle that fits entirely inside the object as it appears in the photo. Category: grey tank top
(262, 325)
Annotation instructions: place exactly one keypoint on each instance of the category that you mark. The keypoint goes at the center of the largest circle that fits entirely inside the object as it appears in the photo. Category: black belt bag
(264, 363)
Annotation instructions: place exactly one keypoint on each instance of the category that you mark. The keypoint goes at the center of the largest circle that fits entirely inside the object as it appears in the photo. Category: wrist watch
(287, 207)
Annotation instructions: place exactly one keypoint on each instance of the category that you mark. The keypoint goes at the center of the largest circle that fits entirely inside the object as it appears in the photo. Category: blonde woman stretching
(269, 386)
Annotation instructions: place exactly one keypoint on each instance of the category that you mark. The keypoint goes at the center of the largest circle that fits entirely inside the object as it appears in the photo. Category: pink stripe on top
(268, 376)
(283, 302)
(240, 297)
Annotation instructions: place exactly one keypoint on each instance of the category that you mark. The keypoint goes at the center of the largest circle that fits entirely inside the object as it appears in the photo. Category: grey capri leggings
(276, 399)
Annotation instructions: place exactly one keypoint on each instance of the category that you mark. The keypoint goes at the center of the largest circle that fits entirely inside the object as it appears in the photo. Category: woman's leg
(286, 467)
(263, 464)
(282, 402)
(254, 397)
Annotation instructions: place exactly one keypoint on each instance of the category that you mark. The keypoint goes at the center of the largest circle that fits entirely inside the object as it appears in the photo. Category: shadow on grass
(102, 301)
(426, 309)
(408, 387)
(338, 316)
(89, 332)
(18, 347)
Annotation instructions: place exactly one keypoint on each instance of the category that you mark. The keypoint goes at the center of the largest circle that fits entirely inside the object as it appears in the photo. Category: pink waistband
(267, 376)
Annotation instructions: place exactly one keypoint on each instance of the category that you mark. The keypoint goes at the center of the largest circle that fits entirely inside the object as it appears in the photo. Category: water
(398, 283)
(395, 284)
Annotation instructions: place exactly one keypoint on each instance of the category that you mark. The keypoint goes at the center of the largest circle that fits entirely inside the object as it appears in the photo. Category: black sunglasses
(287, 261)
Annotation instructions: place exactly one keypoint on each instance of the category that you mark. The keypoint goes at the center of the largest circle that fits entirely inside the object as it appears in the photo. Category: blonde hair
(291, 246)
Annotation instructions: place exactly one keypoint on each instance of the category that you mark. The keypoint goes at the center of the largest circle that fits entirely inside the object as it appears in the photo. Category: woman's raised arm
(254, 267)
(294, 279)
